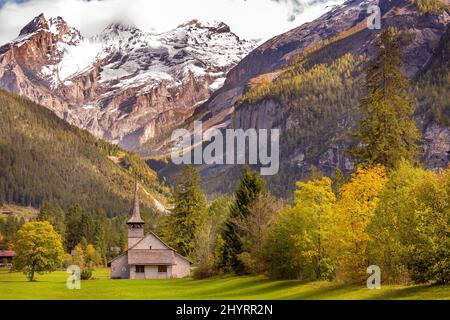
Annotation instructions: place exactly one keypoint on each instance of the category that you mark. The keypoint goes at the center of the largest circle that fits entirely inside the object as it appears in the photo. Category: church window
(140, 269)
(162, 269)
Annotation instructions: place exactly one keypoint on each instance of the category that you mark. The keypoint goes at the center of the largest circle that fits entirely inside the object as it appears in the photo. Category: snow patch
(217, 84)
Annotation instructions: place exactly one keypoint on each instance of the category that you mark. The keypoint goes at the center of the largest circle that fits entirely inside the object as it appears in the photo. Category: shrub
(86, 274)
(205, 271)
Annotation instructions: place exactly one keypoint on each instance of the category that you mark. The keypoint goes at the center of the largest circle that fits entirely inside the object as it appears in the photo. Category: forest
(390, 211)
(42, 158)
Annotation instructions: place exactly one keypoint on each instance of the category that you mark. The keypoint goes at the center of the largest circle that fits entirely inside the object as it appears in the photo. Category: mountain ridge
(302, 90)
(123, 84)
(44, 158)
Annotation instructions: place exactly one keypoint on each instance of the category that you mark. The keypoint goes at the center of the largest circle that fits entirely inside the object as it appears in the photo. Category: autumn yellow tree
(348, 237)
(295, 247)
(38, 249)
(391, 223)
(410, 231)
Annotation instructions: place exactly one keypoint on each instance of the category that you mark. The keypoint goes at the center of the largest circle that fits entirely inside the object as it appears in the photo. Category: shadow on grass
(318, 293)
(417, 292)
(260, 288)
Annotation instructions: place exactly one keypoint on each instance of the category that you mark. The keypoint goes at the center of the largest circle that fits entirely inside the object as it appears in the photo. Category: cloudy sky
(250, 19)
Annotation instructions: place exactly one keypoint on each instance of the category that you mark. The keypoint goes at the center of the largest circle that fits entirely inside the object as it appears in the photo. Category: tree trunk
(32, 272)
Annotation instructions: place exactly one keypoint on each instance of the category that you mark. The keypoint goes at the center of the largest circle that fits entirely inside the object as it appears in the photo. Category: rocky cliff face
(124, 85)
(346, 26)
(347, 30)
(133, 88)
(341, 31)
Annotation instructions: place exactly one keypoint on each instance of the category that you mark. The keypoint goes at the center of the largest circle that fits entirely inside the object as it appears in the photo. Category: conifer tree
(387, 132)
(74, 228)
(54, 215)
(250, 186)
(337, 180)
(188, 214)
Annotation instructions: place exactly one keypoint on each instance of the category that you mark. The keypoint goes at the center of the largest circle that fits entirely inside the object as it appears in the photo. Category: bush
(86, 274)
(205, 271)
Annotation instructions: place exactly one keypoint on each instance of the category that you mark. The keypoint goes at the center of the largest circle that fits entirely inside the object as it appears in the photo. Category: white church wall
(120, 268)
(182, 267)
(151, 242)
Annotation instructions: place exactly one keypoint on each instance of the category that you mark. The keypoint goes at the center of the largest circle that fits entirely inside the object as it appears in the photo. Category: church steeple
(136, 213)
(135, 223)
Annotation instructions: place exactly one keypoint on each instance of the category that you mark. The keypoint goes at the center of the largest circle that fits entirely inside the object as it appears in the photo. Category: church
(147, 257)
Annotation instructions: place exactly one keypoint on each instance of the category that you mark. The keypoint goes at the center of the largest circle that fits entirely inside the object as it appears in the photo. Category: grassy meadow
(18, 211)
(13, 286)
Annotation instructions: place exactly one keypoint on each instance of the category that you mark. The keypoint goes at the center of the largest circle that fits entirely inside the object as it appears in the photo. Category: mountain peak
(120, 27)
(56, 26)
(34, 25)
(215, 26)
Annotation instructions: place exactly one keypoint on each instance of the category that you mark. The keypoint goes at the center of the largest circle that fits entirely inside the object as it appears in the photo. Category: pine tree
(387, 132)
(250, 186)
(102, 234)
(74, 228)
(188, 214)
(315, 173)
(338, 179)
(54, 215)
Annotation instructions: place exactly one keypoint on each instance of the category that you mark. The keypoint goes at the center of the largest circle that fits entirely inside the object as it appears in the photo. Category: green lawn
(53, 286)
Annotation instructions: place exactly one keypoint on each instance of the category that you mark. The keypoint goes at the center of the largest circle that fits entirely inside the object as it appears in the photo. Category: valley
(134, 88)
(197, 164)
(124, 85)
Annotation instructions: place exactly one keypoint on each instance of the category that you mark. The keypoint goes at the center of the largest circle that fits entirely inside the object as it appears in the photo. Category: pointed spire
(136, 215)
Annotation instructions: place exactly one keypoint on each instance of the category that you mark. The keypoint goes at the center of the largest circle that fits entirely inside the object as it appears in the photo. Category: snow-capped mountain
(124, 85)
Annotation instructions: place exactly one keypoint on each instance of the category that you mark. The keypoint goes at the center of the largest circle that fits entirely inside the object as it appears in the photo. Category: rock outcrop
(124, 85)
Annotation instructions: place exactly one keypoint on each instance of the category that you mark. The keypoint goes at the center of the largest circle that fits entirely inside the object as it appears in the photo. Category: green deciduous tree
(209, 244)
(387, 133)
(38, 249)
(410, 231)
(296, 247)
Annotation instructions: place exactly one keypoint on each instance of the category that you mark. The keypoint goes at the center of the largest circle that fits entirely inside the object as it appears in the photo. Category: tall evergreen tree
(74, 227)
(54, 215)
(10, 226)
(102, 233)
(88, 226)
(188, 214)
(250, 186)
(337, 180)
(387, 132)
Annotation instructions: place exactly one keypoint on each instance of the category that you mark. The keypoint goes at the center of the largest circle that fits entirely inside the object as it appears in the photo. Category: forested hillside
(315, 102)
(44, 158)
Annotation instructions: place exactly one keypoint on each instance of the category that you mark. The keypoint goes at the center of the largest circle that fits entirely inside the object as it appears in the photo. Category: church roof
(7, 253)
(151, 257)
(141, 256)
(136, 214)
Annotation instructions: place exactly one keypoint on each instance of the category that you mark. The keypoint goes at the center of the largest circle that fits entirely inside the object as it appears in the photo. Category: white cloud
(250, 19)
